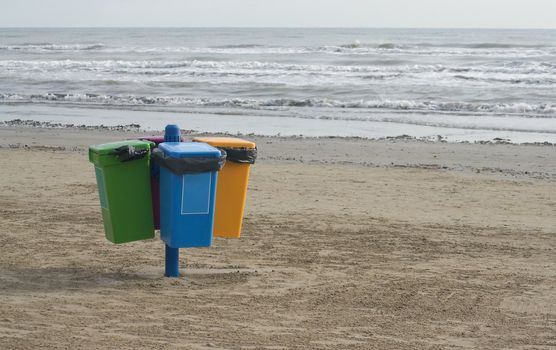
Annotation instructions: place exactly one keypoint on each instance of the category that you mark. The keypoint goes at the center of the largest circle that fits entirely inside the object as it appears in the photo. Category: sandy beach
(348, 244)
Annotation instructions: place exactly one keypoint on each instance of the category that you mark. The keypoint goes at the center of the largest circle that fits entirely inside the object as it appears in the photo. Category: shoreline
(500, 159)
(289, 122)
(136, 128)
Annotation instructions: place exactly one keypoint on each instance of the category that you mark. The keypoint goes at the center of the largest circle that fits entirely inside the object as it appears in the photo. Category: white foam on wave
(531, 67)
(546, 110)
(529, 73)
(348, 50)
(353, 48)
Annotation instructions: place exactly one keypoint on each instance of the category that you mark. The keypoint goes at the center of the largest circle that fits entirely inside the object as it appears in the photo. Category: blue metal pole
(172, 262)
(172, 134)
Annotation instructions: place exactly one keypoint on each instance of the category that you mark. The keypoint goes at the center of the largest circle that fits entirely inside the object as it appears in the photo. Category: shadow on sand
(17, 280)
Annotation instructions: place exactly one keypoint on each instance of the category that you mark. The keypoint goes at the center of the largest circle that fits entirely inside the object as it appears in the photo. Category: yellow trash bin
(231, 189)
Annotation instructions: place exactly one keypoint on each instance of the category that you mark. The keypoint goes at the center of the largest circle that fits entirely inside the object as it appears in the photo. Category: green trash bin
(123, 180)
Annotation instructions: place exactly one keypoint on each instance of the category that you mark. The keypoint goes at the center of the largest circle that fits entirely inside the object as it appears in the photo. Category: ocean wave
(443, 49)
(236, 46)
(501, 46)
(425, 45)
(352, 45)
(411, 50)
(537, 75)
(351, 48)
(52, 47)
(538, 80)
(533, 67)
(543, 110)
(393, 46)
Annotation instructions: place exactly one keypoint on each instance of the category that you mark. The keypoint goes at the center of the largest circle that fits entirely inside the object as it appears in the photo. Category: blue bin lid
(189, 150)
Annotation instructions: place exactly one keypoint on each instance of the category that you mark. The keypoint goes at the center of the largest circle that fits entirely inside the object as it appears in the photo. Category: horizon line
(271, 27)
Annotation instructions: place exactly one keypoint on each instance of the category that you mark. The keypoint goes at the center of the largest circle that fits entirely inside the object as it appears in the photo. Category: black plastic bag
(180, 166)
(240, 155)
(128, 153)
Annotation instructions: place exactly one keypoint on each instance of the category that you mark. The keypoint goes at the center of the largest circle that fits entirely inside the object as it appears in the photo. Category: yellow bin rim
(230, 142)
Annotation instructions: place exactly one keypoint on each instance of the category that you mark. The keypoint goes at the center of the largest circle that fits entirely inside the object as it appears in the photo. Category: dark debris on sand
(49, 125)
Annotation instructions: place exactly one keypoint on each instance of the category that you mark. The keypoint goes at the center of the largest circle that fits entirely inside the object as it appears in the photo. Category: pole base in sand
(172, 262)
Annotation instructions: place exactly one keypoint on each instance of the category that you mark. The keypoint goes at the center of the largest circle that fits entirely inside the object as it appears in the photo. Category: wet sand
(348, 243)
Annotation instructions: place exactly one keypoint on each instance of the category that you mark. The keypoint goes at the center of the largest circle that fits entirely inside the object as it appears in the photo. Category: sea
(435, 84)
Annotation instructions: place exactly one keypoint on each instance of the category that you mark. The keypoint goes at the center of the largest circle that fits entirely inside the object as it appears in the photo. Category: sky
(280, 13)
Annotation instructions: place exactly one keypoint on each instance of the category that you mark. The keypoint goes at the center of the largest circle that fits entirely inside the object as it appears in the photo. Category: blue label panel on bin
(101, 188)
(195, 196)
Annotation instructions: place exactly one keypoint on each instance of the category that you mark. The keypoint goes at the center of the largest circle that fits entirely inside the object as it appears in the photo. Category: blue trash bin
(188, 175)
